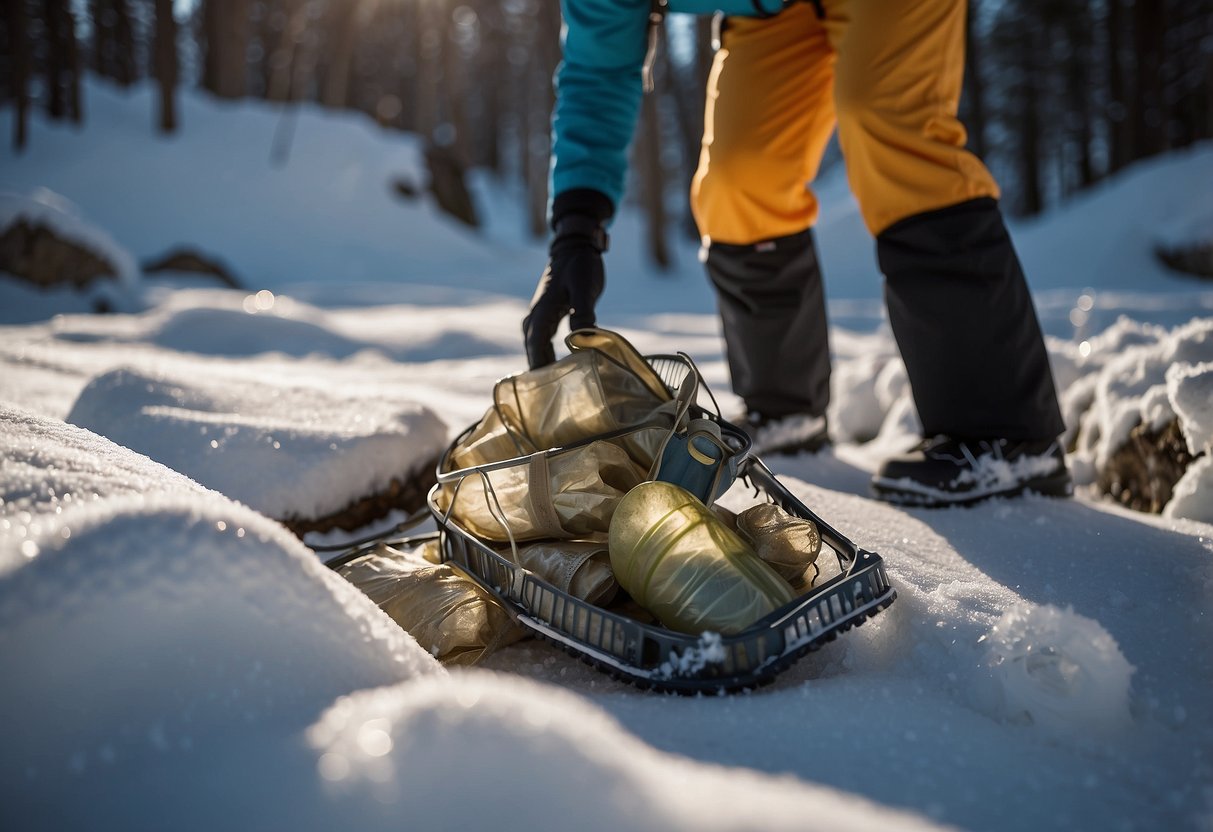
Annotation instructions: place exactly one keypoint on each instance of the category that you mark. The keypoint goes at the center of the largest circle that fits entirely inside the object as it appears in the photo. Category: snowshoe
(547, 465)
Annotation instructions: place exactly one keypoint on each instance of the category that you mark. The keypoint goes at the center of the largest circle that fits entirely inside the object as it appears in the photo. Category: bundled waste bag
(788, 544)
(562, 444)
(681, 563)
(580, 568)
(447, 612)
(564, 495)
(603, 386)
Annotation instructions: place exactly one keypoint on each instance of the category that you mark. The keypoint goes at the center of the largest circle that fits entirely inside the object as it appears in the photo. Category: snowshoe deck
(653, 657)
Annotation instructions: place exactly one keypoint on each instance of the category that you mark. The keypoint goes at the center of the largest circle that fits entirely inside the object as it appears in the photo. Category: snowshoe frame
(651, 656)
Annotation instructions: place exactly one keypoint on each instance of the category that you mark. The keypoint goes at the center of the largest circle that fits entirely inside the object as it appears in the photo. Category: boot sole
(907, 493)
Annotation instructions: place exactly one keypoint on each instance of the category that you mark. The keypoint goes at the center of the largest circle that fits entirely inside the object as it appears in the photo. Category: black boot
(950, 472)
(964, 321)
(776, 337)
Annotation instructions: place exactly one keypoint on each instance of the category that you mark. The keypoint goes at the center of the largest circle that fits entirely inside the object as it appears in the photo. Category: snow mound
(46, 208)
(536, 757)
(1192, 497)
(47, 467)
(154, 617)
(1057, 670)
(287, 447)
(1126, 383)
(1190, 392)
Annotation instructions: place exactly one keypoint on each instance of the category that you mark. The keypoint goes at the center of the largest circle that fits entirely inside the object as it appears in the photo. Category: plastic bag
(580, 568)
(680, 562)
(788, 544)
(568, 495)
(451, 617)
(603, 386)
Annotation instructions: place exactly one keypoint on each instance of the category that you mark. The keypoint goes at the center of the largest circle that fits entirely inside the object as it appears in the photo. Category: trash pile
(598, 477)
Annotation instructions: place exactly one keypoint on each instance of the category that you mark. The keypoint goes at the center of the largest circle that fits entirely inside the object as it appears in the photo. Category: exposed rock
(406, 494)
(449, 186)
(1142, 473)
(193, 262)
(1195, 259)
(405, 188)
(34, 252)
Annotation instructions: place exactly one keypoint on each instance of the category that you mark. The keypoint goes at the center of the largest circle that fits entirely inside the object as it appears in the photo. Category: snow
(1127, 370)
(1057, 670)
(1046, 664)
(1190, 394)
(546, 758)
(284, 448)
(126, 611)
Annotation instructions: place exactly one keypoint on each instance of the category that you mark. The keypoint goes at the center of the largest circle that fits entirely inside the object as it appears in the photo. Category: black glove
(573, 280)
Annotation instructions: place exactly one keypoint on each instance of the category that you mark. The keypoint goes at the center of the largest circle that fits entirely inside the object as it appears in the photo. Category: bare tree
(648, 151)
(226, 26)
(165, 63)
(18, 36)
(974, 83)
(1148, 102)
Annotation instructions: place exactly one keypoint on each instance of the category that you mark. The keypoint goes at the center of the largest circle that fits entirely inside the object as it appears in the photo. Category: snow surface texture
(547, 760)
(1059, 670)
(287, 449)
(128, 615)
(172, 644)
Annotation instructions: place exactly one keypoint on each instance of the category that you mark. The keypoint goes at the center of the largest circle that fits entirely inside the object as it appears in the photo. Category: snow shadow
(1129, 573)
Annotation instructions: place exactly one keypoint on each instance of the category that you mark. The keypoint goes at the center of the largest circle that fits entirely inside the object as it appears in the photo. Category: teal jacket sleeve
(598, 91)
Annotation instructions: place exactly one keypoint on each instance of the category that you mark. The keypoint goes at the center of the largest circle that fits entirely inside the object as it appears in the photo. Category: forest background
(1059, 94)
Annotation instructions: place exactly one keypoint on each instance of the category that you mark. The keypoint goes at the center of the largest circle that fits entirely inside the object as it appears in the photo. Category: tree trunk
(75, 67)
(1118, 134)
(1078, 72)
(974, 84)
(348, 22)
(165, 48)
(539, 143)
(1030, 163)
(225, 64)
(54, 13)
(18, 30)
(653, 178)
(124, 64)
(100, 13)
(284, 58)
(1149, 104)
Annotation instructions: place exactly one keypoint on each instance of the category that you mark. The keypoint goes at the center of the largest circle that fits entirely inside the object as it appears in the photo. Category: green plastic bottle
(682, 564)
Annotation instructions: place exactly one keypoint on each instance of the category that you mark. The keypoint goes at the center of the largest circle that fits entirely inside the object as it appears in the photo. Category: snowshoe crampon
(511, 501)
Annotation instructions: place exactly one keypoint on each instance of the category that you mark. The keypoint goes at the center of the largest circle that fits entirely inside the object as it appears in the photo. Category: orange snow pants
(886, 72)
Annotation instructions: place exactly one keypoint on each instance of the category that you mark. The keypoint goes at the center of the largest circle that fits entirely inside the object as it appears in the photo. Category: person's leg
(957, 299)
(769, 115)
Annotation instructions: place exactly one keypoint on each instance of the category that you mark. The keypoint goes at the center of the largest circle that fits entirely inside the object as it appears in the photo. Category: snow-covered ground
(174, 659)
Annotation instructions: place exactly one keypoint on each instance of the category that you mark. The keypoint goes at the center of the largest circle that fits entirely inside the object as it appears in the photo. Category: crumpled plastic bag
(577, 567)
(604, 385)
(684, 565)
(788, 544)
(448, 614)
(567, 495)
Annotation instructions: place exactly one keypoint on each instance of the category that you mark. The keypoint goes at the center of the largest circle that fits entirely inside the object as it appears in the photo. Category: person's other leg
(957, 299)
(768, 117)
